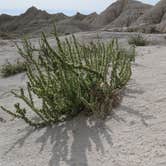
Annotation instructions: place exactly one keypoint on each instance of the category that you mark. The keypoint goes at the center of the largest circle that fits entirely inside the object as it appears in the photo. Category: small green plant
(137, 40)
(153, 30)
(71, 78)
(7, 36)
(10, 69)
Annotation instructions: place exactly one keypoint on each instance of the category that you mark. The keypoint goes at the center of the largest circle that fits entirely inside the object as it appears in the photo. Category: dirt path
(134, 135)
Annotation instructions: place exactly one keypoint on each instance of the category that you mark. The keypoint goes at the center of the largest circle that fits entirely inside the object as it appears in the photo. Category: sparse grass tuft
(137, 40)
(10, 69)
(7, 36)
(71, 78)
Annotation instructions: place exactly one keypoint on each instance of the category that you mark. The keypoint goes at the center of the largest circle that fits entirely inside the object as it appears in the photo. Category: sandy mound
(161, 27)
(109, 15)
(155, 17)
(131, 11)
(121, 13)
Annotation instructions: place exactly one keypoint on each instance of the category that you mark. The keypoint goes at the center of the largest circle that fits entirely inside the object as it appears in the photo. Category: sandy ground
(133, 135)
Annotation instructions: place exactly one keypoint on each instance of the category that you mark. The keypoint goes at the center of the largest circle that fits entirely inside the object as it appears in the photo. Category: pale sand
(133, 135)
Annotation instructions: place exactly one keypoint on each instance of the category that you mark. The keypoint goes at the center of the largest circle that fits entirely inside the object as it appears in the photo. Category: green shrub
(7, 36)
(9, 69)
(137, 40)
(153, 30)
(71, 78)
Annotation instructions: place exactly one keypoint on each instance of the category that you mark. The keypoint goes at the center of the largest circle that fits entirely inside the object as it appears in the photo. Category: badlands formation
(133, 134)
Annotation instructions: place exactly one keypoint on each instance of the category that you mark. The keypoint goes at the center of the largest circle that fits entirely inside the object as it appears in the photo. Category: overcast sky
(69, 7)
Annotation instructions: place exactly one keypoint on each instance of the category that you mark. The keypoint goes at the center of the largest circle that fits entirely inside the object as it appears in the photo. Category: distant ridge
(34, 21)
(122, 15)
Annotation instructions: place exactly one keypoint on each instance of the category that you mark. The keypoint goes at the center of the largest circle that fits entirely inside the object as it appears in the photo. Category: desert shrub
(10, 69)
(7, 36)
(153, 30)
(130, 29)
(2, 43)
(137, 40)
(71, 78)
